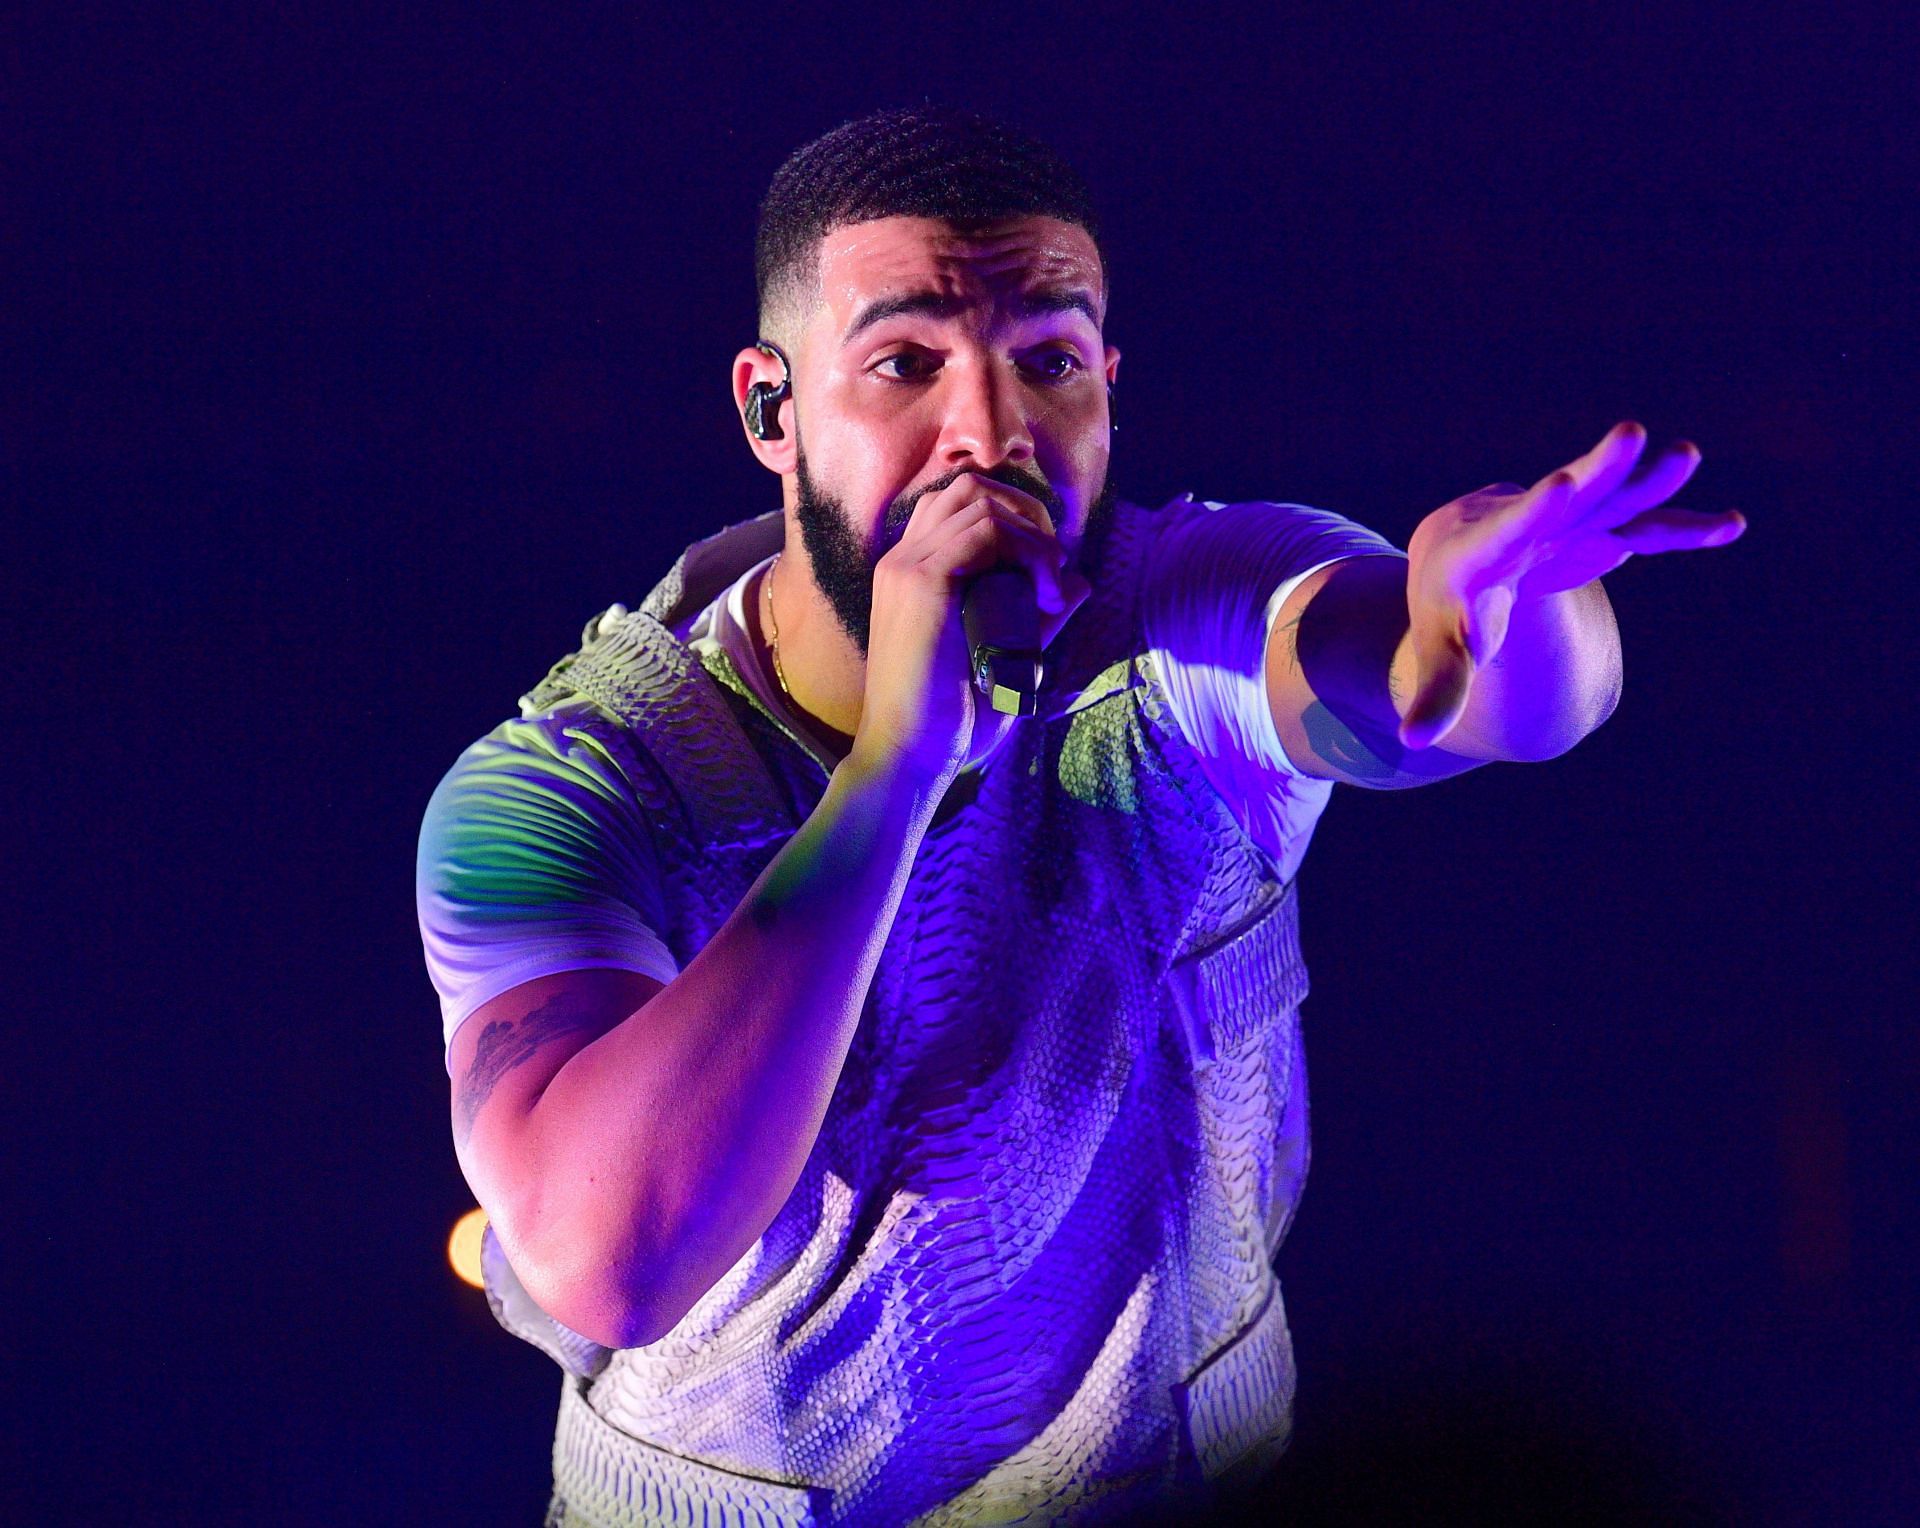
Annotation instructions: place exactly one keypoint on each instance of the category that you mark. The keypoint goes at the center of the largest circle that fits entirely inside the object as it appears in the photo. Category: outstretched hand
(1472, 561)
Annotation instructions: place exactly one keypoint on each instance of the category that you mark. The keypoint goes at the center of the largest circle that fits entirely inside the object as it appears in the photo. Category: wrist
(874, 772)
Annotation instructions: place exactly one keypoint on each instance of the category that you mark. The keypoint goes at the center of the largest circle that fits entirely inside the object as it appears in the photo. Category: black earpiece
(1110, 424)
(764, 398)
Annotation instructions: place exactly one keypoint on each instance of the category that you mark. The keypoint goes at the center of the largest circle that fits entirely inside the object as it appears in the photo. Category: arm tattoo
(505, 1044)
(1292, 639)
(1342, 747)
(1364, 751)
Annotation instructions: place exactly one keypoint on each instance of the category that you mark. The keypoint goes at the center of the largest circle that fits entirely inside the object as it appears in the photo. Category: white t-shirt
(534, 857)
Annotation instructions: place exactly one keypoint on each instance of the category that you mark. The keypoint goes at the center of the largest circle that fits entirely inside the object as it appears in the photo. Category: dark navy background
(357, 360)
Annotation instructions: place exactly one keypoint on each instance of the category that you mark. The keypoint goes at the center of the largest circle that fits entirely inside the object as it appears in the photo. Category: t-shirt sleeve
(1215, 585)
(534, 857)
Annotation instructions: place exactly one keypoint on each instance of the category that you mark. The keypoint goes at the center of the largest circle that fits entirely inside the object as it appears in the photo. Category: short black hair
(927, 161)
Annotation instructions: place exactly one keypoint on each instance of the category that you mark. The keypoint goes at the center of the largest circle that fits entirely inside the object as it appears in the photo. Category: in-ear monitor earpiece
(764, 398)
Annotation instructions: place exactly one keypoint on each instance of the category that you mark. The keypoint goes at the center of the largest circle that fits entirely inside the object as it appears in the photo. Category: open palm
(1471, 560)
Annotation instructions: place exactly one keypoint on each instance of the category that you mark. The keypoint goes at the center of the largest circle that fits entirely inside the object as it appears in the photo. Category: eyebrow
(944, 305)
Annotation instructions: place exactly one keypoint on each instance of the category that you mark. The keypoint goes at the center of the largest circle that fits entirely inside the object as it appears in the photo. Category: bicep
(539, 906)
(1329, 660)
(534, 858)
(508, 1051)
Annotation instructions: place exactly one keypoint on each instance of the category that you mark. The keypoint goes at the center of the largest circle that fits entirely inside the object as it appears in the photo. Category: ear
(1113, 363)
(753, 365)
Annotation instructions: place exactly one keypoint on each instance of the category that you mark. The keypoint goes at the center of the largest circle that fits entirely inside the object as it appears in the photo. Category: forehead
(895, 256)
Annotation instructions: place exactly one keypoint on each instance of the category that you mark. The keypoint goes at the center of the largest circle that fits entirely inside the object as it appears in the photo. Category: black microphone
(1001, 614)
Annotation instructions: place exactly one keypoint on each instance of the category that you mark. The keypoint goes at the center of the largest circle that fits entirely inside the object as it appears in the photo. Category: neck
(824, 671)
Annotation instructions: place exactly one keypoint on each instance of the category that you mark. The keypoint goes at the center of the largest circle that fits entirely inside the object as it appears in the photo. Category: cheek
(1075, 458)
(870, 462)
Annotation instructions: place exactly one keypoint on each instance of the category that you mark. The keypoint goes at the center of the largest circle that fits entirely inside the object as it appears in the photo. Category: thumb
(1443, 677)
(1450, 643)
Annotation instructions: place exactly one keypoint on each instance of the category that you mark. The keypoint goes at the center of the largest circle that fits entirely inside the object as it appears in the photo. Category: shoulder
(575, 733)
(543, 812)
(1215, 568)
(1254, 535)
(1141, 559)
(556, 770)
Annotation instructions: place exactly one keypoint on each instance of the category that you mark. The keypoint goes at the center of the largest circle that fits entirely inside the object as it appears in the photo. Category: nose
(985, 421)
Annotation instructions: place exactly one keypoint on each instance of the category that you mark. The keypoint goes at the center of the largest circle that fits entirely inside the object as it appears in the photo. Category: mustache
(894, 526)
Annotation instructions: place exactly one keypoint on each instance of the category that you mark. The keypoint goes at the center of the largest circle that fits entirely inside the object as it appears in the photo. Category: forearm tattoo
(1363, 750)
(1337, 743)
(508, 1043)
(1349, 638)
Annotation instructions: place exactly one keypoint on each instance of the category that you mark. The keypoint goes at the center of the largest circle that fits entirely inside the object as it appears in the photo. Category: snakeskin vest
(1026, 1273)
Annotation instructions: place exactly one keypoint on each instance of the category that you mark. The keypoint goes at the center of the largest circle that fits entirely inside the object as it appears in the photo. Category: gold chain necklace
(773, 631)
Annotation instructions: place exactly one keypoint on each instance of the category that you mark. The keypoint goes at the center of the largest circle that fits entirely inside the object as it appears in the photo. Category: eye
(914, 366)
(1057, 365)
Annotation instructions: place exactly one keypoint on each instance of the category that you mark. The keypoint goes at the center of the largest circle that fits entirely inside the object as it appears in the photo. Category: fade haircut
(930, 162)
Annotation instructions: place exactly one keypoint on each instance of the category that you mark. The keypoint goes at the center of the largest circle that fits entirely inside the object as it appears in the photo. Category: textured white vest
(1026, 1274)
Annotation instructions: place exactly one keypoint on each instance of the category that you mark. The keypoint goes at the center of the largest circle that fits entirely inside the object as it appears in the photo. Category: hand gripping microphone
(1001, 614)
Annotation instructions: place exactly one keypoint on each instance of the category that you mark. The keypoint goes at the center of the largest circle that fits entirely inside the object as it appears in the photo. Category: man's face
(935, 352)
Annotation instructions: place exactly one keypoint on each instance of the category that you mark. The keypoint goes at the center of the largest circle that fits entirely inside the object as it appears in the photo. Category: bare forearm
(667, 1145)
(1498, 641)
(1553, 680)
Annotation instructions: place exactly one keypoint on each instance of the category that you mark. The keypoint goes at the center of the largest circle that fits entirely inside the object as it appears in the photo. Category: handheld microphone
(1001, 614)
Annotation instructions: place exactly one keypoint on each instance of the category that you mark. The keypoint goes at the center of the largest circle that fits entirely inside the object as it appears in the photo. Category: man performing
(888, 1106)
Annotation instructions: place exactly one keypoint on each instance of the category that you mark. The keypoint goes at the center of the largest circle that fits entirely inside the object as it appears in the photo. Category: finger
(1602, 469)
(971, 487)
(1655, 483)
(1440, 697)
(1451, 644)
(1443, 675)
(990, 509)
(986, 534)
(1680, 530)
(1550, 505)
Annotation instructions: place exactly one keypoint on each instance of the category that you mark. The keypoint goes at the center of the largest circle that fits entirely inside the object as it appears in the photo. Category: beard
(843, 562)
